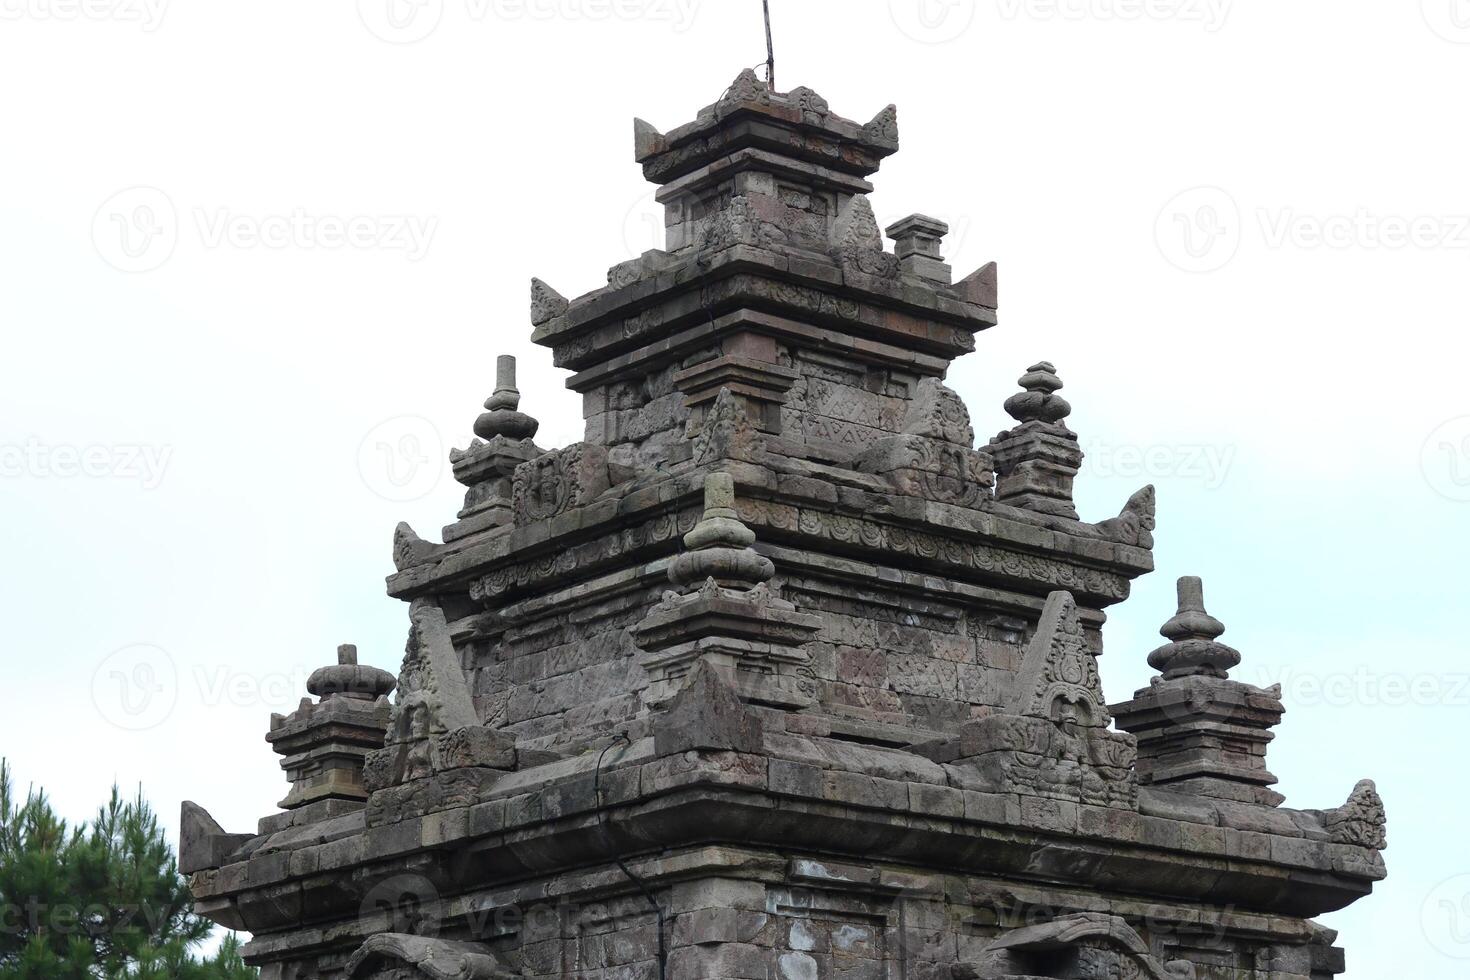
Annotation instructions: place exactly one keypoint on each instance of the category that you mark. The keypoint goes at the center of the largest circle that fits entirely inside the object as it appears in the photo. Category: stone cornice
(543, 820)
(984, 545)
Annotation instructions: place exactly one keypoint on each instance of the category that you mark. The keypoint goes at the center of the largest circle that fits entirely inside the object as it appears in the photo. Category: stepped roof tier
(778, 673)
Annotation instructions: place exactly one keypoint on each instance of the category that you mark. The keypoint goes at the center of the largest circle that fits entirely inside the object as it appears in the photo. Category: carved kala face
(1069, 716)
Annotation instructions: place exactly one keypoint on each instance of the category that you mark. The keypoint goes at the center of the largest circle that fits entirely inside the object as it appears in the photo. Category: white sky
(1292, 375)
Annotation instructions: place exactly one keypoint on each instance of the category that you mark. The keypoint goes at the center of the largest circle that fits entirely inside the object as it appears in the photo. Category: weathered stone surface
(706, 715)
(391, 956)
(776, 674)
(1197, 729)
(203, 843)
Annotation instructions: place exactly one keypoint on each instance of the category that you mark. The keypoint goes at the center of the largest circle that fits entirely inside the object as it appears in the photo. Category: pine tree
(103, 901)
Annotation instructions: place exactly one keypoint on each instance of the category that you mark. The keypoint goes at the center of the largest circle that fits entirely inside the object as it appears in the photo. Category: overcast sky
(256, 261)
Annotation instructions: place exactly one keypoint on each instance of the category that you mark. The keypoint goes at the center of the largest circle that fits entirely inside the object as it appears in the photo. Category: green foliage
(103, 901)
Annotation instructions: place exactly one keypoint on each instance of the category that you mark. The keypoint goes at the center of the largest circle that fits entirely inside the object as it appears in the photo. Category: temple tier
(778, 674)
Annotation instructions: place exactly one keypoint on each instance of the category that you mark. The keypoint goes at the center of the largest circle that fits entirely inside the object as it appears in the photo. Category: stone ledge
(540, 820)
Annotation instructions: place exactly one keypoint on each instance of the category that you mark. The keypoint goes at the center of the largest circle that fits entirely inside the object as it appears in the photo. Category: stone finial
(883, 128)
(546, 303)
(918, 234)
(1039, 402)
(917, 240)
(647, 140)
(408, 548)
(1135, 524)
(1037, 461)
(323, 744)
(203, 843)
(350, 679)
(1361, 821)
(1198, 730)
(1193, 649)
(747, 87)
(501, 417)
(720, 545)
(981, 287)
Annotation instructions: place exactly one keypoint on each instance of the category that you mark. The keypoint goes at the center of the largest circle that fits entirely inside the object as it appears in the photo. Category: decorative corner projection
(436, 753)
(726, 615)
(1052, 741)
(395, 956)
(1037, 461)
(1199, 731)
(1074, 947)
(323, 744)
(935, 456)
(487, 468)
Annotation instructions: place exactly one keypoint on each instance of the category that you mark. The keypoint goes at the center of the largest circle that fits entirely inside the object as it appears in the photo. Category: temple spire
(1192, 632)
(1037, 461)
(324, 743)
(1199, 731)
(501, 417)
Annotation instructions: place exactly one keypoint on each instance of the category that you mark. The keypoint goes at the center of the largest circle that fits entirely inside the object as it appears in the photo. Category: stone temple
(778, 675)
